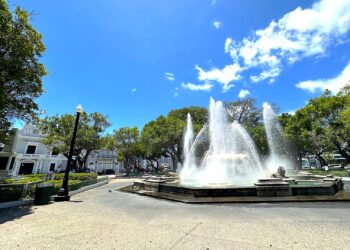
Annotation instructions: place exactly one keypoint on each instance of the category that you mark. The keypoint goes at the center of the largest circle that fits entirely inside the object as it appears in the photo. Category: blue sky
(135, 60)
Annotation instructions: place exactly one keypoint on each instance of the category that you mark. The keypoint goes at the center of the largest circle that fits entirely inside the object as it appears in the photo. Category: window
(52, 166)
(31, 149)
(3, 162)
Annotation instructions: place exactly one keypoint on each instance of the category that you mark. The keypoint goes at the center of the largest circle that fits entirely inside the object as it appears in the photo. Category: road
(103, 218)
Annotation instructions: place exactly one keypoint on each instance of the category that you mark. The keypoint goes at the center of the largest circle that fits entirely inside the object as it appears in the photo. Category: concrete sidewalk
(105, 219)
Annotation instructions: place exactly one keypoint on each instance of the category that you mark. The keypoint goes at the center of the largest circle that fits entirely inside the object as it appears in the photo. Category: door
(26, 168)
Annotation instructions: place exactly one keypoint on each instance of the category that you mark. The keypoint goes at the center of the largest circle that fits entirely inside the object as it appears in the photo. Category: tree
(199, 116)
(152, 144)
(164, 136)
(20, 70)
(90, 134)
(244, 111)
(127, 143)
(321, 126)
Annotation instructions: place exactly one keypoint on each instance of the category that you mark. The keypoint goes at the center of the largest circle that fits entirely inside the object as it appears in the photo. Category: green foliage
(72, 184)
(334, 172)
(23, 180)
(127, 143)
(258, 135)
(77, 176)
(90, 134)
(20, 70)
(199, 116)
(10, 193)
(321, 126)
(164, 136)
(245, 112)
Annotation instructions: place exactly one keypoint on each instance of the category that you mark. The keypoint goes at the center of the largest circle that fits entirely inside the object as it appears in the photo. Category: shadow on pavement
(10, 214)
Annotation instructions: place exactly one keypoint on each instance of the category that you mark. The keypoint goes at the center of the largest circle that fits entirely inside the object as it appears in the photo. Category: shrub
(77, 176)
(10, 193)
(41, 176)
(58, 184)
(22, 181)
(334, 172)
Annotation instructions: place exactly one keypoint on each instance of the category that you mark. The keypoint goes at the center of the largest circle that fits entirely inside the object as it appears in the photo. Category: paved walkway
(99, 219)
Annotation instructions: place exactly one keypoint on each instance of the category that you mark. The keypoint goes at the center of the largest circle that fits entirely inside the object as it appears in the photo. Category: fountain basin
(294, 191)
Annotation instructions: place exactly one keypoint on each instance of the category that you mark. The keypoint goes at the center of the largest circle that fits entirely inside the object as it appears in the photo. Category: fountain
(231, 157)
(275, 139)
(221, 164)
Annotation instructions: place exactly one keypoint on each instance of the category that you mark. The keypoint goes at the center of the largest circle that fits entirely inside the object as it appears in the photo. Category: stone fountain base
(264, 190)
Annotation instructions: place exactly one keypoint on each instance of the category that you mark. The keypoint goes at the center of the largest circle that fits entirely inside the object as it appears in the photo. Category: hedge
(10, 193)
(24, 180)
(14, 190)
(334, 172)
(72, 184)
(77, 176)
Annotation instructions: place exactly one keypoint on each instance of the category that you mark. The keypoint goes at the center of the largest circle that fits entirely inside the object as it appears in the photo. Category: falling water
(275, 139)
(188, 166)
(227, 153)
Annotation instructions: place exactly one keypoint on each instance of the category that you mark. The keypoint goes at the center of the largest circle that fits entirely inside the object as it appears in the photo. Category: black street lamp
(63, 193)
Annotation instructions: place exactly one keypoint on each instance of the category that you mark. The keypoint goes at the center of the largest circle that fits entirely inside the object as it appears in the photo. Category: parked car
(334, 166)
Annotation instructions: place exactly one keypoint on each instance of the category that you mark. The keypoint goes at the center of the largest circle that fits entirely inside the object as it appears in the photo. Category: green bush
(334, 172)
(58, 184)
(73, 184)
(22, 181)
(10, 193)
(41, 176)
(77, 176)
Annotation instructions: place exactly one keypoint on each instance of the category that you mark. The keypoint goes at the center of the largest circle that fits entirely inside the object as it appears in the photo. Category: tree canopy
(166, 133)
(90, 134)
(20, 69)
(127, 143)
(321, 126)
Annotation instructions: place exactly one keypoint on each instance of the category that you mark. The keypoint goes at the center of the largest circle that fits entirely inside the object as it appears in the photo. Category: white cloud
(292, 112)
(169, 76)
(133, 90)
(243, 93)
(298, 34)
(266, 74)
(224, 76)
(333, 84)
(217, 24)
(197, 87)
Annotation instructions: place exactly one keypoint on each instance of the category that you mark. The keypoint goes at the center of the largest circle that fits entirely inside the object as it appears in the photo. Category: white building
(100, 161)
(26, 154)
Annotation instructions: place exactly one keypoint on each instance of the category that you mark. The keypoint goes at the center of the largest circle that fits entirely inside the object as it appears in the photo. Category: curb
(16, 203)
(88, 187)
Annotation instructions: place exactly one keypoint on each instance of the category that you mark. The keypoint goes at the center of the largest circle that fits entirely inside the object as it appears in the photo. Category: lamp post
(63, 193)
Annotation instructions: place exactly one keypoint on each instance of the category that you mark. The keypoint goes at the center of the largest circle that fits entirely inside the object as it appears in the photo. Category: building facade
(26, 154)
(102, 161)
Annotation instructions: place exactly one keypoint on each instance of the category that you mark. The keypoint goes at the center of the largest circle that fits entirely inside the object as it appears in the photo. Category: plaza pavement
(100, 219)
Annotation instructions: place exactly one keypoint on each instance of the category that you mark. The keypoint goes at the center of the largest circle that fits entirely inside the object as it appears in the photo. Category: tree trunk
(321, 159)
(341, 151)
(86, 158)
(157, 165)
(174, 161)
